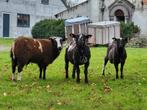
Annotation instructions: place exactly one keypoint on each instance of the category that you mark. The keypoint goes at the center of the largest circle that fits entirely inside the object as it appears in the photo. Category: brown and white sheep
(40, 51)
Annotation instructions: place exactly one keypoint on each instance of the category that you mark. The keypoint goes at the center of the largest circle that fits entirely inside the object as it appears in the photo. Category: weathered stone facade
(30, 11)
(114, 10)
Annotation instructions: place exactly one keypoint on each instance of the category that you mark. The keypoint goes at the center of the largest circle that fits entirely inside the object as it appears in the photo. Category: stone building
(18, 16)
(113, 10)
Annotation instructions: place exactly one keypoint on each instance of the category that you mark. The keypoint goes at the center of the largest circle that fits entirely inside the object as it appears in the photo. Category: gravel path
(4, 48)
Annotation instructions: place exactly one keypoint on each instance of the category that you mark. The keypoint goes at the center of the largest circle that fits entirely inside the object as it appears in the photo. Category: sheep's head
(121, 42)
(80, 39)
(59, 41)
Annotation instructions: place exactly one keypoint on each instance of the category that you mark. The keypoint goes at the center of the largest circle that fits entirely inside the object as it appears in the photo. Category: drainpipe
(102, 8)
(142, 4)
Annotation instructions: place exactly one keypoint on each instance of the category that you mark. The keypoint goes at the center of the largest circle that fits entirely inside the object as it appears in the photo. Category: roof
(74, 7)
(121, 1)
(78, 20)
(65, 4)
(103, 24)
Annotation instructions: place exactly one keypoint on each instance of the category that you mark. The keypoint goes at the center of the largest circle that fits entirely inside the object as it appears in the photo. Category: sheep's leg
(78, 73)
(121, 69)
(14, 64)
(20, 68)
(44, 73)
(66, 68)
(86, 72)
(116, 68)
(73, 72)
(104, 65)
(40, 76)
(66, 64)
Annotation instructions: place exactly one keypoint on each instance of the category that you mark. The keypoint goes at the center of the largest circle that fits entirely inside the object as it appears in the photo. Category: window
(23, 20)
(45, 2)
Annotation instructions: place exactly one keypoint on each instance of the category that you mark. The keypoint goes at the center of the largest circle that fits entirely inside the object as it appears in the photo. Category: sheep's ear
(64, 39)
(114, 38)
(72, 35)
(88, 36)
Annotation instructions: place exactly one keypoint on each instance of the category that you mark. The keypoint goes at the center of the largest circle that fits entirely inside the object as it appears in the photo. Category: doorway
(6, 25)
(120, 15)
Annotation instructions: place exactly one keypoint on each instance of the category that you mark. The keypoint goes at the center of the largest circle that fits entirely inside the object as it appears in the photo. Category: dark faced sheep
(78, 53)
(116, 53)
(40, 51)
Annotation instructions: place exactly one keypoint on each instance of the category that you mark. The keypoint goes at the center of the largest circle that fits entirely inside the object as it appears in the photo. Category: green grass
(57, 93)
(6, 41)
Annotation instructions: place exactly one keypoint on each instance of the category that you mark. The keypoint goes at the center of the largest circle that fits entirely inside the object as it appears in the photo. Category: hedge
(47, 28)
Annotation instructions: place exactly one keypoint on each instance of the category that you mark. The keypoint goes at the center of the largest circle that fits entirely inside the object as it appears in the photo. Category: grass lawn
(57, 93)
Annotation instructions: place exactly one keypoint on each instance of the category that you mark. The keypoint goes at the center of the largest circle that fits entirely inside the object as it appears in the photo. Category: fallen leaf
(5, 94)
(59, 103)
(107, 89)
(48, 86)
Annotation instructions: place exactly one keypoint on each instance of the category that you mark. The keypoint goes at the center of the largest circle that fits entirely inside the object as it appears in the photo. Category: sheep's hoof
(73, 76)
(66, 76)
(18, 79)
(86, 82)
(78, 81)
(117, 77)
(122, 77)
(14, 80)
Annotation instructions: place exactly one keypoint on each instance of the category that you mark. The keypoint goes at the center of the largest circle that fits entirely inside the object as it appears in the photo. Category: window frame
(23, 21)
(45, 2)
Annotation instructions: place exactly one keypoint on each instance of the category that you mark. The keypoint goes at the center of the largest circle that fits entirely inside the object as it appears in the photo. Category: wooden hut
(103, 32)
(76, 26)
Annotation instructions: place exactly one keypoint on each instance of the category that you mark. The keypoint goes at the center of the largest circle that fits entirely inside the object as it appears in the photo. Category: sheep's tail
(12, 55)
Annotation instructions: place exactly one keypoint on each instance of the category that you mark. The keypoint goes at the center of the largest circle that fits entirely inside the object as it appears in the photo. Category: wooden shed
(103, 32)
(76, 26)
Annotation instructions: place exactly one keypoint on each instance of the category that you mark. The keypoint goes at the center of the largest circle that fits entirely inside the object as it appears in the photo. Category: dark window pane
(45, 2)
(23, 20)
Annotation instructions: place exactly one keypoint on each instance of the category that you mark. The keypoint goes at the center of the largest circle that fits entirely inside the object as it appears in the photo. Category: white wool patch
(103, 68)
(13, 76)
(40, 46)
(19, 76)
(80, 36)
(58, 42)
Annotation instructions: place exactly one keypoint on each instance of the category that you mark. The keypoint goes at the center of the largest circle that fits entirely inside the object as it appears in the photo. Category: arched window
(45, 2)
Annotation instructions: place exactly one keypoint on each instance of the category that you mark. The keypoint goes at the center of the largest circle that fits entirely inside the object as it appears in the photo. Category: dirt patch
(4, 48)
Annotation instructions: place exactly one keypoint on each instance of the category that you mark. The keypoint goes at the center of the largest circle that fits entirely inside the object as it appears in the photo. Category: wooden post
(80, 31)
(95, 35)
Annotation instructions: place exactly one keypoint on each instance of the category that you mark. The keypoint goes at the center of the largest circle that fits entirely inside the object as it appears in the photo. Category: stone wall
(34, 8)
(78, 10)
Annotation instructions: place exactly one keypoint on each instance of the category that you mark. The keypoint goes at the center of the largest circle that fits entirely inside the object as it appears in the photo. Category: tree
(128, 30)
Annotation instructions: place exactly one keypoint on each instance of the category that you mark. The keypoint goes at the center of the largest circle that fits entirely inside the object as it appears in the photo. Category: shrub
(137, 42)
(47, 28)
(128, 30)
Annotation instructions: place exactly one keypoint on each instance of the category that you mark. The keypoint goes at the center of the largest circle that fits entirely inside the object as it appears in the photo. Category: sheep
(39, 51)
(116, 53)
(78, 53)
